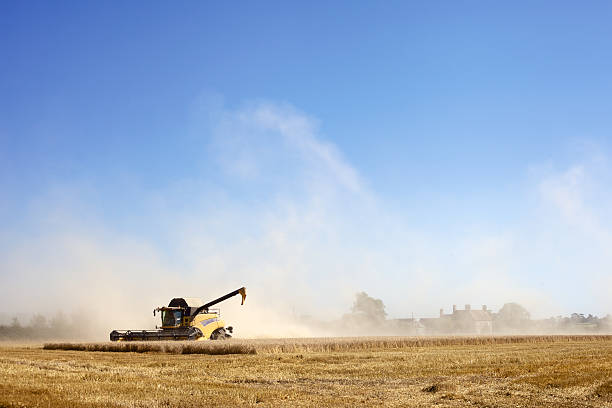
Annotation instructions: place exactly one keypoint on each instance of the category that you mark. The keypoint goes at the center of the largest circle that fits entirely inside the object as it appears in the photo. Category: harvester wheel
(218, 334)
(194, 333)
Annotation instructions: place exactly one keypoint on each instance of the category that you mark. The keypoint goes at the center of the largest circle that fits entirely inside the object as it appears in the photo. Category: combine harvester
(184, 319)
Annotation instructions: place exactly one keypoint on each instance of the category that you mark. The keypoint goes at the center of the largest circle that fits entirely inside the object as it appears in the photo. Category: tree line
(40, 327)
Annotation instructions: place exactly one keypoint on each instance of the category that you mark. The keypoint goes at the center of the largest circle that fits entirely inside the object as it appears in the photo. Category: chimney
(441, 312)
(484, 308)
(468, 307)
(454, 308)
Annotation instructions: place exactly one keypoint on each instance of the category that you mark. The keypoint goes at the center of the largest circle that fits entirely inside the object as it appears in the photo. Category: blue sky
(451, 122)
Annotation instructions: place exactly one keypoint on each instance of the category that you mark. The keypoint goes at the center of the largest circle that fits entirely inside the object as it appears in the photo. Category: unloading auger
(185, 319)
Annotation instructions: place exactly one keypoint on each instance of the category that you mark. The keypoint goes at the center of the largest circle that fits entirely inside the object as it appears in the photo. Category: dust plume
(290, 218)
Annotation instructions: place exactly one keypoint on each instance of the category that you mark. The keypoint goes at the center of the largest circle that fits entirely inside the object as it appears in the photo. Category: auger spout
(241, 291)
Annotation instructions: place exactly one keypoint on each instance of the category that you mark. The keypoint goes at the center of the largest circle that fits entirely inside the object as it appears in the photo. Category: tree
(512, 316)
(373, 309)
(513, 312)
(367, 315)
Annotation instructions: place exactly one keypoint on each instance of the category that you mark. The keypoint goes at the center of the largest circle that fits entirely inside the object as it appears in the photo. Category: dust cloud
(304, 231)
(367, 317)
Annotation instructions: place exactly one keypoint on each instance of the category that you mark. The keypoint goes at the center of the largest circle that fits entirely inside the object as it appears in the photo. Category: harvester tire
(194, 333)
(218, 334)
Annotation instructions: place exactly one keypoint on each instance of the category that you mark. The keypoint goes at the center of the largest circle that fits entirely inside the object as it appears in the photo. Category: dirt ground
(573, 373)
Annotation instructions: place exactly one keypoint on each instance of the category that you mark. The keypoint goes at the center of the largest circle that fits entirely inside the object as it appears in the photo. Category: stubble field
(538, 371)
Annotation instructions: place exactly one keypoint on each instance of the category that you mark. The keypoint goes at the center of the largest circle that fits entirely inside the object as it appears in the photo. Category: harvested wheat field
(527, 371)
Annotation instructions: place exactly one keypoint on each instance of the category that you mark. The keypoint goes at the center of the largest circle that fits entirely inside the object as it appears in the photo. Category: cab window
(171, 317)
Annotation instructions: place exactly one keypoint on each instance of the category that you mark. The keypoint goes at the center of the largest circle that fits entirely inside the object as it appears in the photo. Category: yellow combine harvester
(184, 319)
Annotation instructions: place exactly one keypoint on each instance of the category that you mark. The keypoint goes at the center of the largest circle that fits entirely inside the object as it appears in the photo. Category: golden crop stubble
(360, 372)
(330, 345)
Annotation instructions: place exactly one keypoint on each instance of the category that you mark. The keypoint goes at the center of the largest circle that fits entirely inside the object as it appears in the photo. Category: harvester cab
(185, 319)
(171, 317)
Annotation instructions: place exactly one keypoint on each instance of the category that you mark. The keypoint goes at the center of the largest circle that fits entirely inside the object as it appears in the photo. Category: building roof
(480, 315)
(475, 315)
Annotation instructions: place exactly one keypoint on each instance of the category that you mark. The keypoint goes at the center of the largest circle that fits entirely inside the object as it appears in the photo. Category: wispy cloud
(278, 138)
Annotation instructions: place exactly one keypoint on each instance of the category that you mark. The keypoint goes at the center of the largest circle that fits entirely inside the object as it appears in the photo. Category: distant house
(465, 321)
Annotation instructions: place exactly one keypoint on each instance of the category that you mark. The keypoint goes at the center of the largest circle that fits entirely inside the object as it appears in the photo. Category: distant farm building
(466, 321)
